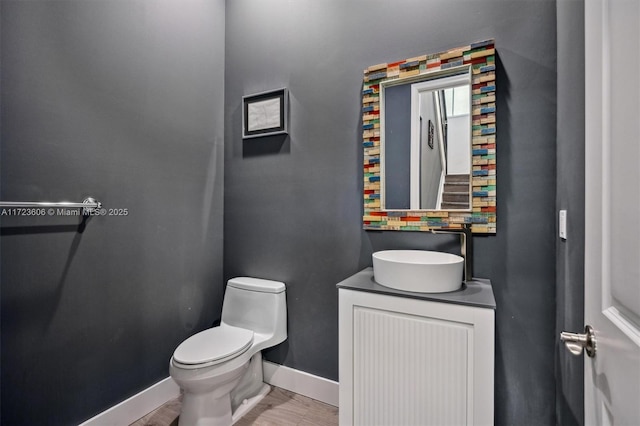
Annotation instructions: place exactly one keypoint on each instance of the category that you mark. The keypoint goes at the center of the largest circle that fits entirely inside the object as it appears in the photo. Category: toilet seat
(213, 346)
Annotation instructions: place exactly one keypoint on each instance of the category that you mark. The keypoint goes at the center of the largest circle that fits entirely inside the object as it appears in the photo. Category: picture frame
(430, 134)
(265, 114)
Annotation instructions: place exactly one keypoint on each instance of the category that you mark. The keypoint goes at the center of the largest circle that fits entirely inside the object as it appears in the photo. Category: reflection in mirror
(425, 142)
(429, 137)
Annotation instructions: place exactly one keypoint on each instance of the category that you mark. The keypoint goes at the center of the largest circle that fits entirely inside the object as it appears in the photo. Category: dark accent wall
(570, 196)
(397, 155)
(122, 101)
(293, 205)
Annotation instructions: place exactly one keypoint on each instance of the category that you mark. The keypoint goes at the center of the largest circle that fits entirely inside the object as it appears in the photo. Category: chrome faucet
(466, 247)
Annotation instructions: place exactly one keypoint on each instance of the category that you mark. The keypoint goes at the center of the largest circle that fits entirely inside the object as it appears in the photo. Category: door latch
(577, 342)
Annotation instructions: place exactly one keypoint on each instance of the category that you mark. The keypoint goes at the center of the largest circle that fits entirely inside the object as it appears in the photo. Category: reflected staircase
(456, 194)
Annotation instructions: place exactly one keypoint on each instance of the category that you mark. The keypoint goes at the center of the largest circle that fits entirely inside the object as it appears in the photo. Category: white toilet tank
(256, 304)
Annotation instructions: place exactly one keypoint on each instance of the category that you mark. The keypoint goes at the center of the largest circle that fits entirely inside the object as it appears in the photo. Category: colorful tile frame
(480, 57)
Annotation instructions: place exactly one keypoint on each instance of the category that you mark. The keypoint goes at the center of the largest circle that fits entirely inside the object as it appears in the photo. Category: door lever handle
(577, 342)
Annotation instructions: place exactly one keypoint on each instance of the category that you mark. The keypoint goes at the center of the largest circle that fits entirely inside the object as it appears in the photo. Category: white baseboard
(302, 383)
(139, 405)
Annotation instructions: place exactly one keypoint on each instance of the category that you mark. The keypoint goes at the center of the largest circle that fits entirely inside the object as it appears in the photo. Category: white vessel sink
(418, 270)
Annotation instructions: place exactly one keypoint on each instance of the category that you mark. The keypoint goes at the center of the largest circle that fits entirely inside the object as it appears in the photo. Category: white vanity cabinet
(415, 359)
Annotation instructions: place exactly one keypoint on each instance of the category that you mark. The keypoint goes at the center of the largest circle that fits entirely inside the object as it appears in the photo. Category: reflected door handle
(576, 342)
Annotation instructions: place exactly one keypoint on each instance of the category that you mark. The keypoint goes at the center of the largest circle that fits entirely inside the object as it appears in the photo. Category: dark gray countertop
(473, 293)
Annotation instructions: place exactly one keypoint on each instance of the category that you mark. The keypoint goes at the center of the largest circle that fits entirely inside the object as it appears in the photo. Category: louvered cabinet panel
(414, 362)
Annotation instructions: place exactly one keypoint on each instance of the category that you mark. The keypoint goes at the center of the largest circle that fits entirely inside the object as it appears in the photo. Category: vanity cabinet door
(414, 362)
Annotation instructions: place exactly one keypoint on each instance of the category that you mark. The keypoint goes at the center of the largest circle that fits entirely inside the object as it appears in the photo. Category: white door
(612, 239)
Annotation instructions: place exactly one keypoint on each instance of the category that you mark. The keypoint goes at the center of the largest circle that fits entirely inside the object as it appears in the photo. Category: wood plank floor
(279, 408)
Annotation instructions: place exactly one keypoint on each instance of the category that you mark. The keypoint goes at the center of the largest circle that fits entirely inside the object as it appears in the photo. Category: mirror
(425, 140)
(429, 133)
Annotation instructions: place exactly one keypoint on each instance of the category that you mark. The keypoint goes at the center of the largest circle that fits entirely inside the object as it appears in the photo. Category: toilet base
(201, 410)
(211, 399)
(203, 406)
(218, 411)
(248, 404)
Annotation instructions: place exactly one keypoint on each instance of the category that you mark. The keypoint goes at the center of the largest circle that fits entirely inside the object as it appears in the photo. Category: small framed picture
(431, 131)
(265, 114)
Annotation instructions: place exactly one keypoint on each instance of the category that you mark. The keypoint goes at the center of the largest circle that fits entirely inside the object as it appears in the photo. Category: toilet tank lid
(257, 284)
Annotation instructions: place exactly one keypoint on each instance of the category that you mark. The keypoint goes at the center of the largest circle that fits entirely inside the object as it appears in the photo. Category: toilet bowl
(220, 369)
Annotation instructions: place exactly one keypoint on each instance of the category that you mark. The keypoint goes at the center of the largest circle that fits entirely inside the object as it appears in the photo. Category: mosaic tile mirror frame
(478, 61)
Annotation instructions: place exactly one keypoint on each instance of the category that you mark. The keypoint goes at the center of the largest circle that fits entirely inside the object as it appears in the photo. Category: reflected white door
(612, 239)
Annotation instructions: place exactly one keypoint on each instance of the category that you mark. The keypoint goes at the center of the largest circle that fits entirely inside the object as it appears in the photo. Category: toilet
(220, 369)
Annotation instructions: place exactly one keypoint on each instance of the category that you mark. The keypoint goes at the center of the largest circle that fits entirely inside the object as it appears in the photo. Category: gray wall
(397, 154)
(293, 205)
(122, 101)
(570, 196)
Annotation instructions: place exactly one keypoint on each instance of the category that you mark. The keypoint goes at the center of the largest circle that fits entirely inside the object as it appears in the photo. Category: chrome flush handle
(576, 342)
